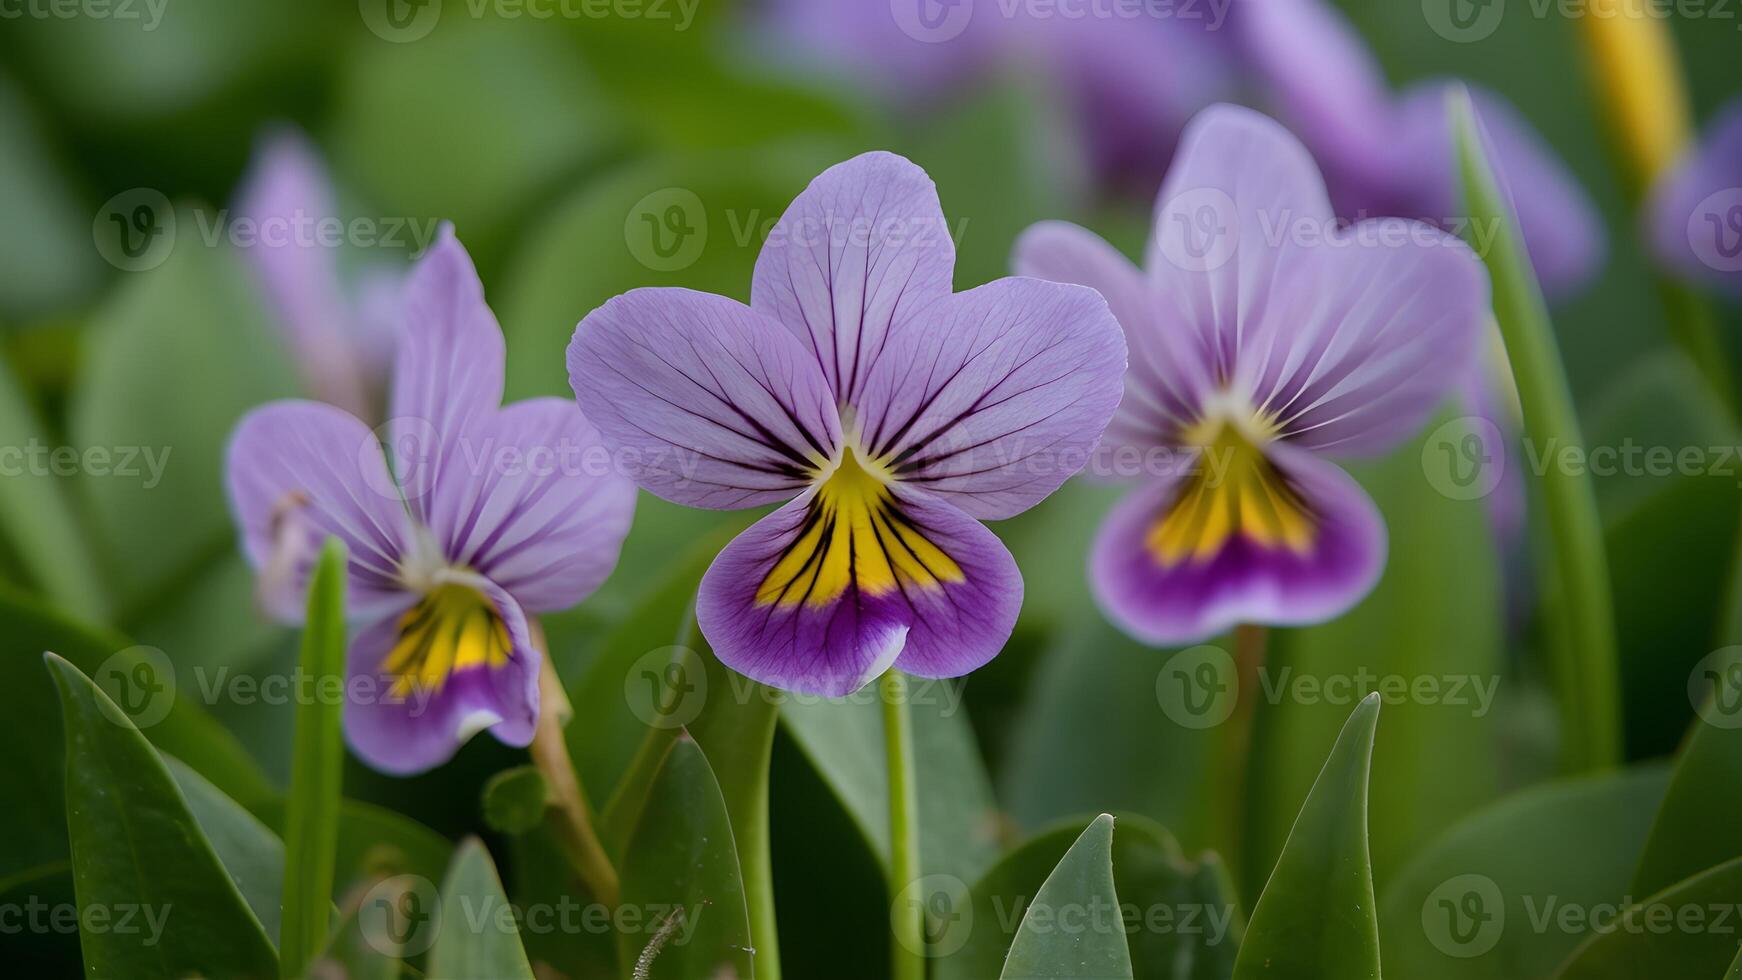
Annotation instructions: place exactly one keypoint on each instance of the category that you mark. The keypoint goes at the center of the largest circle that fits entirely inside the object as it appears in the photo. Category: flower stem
(1234, 751)
(907, 949)
(568, 816)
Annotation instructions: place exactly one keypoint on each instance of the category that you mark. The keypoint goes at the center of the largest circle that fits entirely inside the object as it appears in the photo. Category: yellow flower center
(452, 628)
(1235, 490)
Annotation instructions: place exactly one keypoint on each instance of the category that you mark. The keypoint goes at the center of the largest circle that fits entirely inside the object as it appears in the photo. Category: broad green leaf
(247, 848)
(681, 873)
(1685, 930)
(477, 937)
(1429, 638)
(33, 818)
(1660, 401)
(1469, 906)
(1182, 919)
(312, 818)
(620, 815)
(37, 517)
(1696, 826)
(1073, 927)
(515, 800)
(46, 259)
(135, 844)
(1316, 915)
(375, 843)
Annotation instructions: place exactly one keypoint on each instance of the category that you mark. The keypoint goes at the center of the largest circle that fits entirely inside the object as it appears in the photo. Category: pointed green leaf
(477, 937)
(247, 848)
(135, 844)
(311, 824)
(1074, 927)
(1686, 930)
(681, 876)
(1696, 826)
(1316, 916)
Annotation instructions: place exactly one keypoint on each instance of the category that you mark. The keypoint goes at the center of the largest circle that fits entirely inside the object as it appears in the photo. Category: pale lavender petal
(284, 194)
(704, 401)
(543, 508)
(298, 472)
(938, 629)
(408, 732)
(907, 48)
(860, 250)
(994, 397)
(447, 378)
(1244, 582)
(1695, 212)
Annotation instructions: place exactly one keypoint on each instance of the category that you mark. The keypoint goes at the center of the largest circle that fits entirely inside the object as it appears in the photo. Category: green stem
(569, 818)
(1694, 329)
(748, 807)
(1234, 748)
(907, 948)
(1586, 663)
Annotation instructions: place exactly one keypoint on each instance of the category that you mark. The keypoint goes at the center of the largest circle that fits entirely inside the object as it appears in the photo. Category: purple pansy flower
(1695, 212)
(488, 513)
(1393, 156)
(1264, 340)
(886, 414)
(342, 338)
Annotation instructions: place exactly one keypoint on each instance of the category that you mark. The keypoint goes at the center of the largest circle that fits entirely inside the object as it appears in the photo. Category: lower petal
(423, 681)
(1187, 558)
(831, 590)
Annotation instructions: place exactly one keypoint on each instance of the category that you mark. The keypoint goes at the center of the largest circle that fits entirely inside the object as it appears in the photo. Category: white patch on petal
(885, 658)
(477, 720)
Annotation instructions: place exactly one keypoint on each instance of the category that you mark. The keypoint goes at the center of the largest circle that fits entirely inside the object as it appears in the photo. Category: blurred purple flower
(886, 414)
(1695, 212)
(487, 513)
(342, 338)
(1393, 157)
(1264, 339)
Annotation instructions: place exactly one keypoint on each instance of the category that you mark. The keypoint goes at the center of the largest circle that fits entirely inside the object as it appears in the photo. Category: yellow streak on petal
(1235, 491)
(452, 628)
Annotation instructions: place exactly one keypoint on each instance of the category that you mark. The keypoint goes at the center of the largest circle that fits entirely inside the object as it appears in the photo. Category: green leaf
(1674, 933)
(515, 800)
(357, 954)
(36, 516)
(630, 797)
(681, 875)
(248, 850)
(1465, 908)
(478, 938)
(1696, 826)
(1187, 923)
(375, 843)
(312, 819)
(1586, 665)
(1316, 917)
(1074, 927)
(136, 845)
(46, 259)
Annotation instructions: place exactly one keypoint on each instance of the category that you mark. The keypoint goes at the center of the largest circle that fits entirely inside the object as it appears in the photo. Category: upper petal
(834, 588)
(1186, 558)
(993, 398)
(1695, 211)
(298, 472)
(704, 401)
(545, 509)
(860, 249)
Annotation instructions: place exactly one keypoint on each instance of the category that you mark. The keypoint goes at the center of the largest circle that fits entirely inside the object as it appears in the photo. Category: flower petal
(1261, 567)
(299, 471)
(544, 510)
(862, 248)
(1695, 212)
(478, 673)
(998, 397)
(706, 402)
(829, 591)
